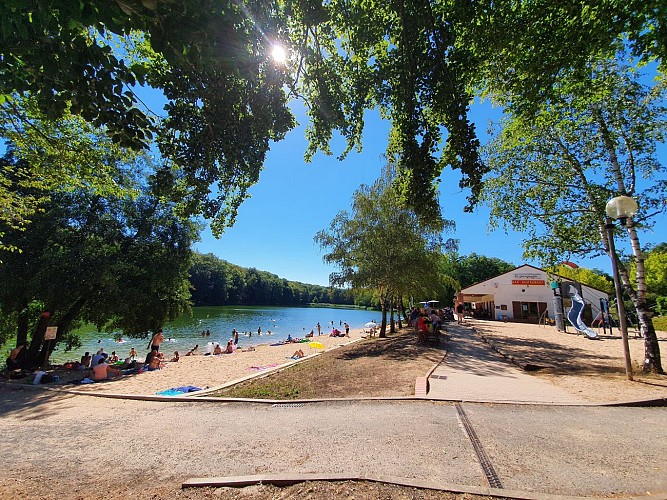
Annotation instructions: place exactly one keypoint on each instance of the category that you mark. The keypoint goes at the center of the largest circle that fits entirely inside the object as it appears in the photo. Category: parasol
(316, 345)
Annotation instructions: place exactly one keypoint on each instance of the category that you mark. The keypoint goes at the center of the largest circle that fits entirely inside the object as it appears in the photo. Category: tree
(473, 268)
(419, 62)
(382, 245)
(210, 59)
(108, 250)
(554, 173)
(120, 264)
(592, 278)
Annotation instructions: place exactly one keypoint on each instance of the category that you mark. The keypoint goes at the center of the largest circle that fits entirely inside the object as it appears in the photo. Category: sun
(279, 54)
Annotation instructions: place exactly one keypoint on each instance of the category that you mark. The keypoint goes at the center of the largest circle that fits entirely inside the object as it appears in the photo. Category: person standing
(347, 329)
(156, 340)
(459, 312)
(319, 328)
(236, 336)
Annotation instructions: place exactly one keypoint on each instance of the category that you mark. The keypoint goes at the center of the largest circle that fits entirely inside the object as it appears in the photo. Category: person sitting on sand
(217, 350)
(86, 359)
(310, 335)
(192, 351)
(298, 354)
(101, 371)
(156, 363)
(113, 358)
(176, 356)
(230, 347)
(12, 360)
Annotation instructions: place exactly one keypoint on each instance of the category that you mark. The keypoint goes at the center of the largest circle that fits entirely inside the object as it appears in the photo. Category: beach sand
(591, 369)
(214, 371)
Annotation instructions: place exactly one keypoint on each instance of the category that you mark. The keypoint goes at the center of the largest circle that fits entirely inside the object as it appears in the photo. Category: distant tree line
(216, 282)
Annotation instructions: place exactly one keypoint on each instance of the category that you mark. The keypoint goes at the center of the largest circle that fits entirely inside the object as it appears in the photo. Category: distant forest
(216, 282)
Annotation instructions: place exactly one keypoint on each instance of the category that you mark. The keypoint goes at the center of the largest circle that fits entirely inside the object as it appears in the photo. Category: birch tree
(553, 172)
(382, 245)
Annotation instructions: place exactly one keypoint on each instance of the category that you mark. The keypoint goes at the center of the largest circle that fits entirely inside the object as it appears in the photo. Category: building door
(528, 312)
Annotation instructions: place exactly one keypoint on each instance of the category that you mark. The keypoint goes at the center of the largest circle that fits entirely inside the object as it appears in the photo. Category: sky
(293, 200)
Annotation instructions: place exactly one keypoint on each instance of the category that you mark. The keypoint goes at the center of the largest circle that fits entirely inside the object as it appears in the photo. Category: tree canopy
(217, 282)
(553, 173)
(419, 62)
(382, 245)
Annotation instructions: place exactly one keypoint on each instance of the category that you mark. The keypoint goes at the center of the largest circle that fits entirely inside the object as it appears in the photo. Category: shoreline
(207, 371)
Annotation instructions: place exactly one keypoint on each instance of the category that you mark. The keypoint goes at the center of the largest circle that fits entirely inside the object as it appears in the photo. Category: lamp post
(620, 207)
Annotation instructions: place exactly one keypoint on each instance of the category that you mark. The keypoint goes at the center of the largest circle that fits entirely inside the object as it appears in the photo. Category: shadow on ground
(27, 403)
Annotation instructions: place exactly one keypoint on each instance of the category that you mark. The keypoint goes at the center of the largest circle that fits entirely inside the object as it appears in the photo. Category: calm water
(181, 335)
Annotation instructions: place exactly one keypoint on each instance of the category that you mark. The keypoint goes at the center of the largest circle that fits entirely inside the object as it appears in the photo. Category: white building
(525, 295)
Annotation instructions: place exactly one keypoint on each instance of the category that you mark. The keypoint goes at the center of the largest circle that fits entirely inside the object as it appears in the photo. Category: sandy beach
(214, 371)
(591, 369)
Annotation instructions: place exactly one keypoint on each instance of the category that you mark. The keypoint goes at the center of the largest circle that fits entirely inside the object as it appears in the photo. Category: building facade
(524, 294)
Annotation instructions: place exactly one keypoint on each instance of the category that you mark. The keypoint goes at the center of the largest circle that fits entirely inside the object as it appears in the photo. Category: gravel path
(67, 443)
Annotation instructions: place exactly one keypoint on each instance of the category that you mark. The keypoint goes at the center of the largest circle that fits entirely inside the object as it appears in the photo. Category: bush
(661, 305)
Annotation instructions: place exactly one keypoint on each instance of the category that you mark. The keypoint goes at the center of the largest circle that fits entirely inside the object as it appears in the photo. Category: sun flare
(279, 54)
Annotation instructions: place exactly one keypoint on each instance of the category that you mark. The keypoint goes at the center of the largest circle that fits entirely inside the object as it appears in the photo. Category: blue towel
(178, 391)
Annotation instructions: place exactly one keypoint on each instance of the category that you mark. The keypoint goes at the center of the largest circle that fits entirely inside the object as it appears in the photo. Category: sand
(591, 369)
(215, 371)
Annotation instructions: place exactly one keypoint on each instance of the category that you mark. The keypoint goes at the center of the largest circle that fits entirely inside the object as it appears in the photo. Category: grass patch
(371, 368)
(660, 323)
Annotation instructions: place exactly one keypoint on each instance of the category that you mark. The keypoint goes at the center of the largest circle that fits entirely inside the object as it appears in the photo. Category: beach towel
(178, 391)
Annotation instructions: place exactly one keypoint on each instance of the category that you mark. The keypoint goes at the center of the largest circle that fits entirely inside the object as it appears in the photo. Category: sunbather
(298, 354)
(102, 369)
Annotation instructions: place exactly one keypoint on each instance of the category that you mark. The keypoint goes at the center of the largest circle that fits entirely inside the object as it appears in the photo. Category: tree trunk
(392, 325)
(32, 359)
(22, 327)
(383, 327)
(652, 362)
(63, 327)
(400, 308)
(405, 313)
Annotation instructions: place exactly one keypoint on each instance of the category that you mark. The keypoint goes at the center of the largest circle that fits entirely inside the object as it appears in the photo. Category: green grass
(660, 323)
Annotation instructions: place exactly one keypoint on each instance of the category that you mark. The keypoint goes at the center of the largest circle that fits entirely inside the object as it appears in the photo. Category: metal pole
(619, 299)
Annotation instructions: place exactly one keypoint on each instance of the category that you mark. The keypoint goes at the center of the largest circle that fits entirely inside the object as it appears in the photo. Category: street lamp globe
(621, 207)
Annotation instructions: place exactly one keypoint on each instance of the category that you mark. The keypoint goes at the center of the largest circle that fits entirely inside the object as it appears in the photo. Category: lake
(185, 332)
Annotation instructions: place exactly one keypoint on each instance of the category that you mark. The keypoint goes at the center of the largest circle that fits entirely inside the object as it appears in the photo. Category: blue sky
(294, 200)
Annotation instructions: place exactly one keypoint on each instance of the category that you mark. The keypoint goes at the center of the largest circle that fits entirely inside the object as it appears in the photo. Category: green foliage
(383, 246)
(472, 268)
(226, 101)
(217, 282)
(589, 277)
(418, 62)
(553, 173)
(660, 323)
(661, 308)
(656, 272)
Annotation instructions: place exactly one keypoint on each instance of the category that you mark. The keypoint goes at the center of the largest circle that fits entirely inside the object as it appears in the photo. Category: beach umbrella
(316, 345)
(370, 324)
